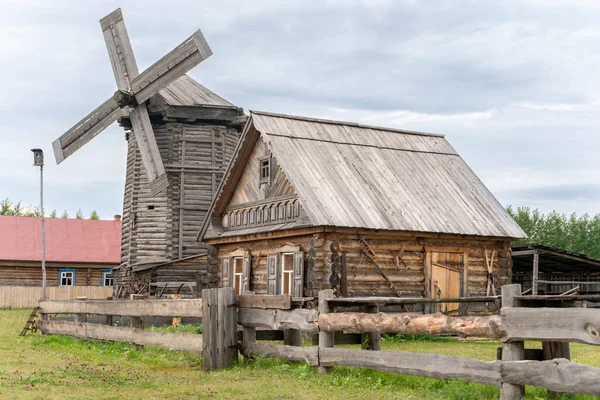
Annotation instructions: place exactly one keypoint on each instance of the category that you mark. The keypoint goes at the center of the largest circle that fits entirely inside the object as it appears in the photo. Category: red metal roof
(67, 240)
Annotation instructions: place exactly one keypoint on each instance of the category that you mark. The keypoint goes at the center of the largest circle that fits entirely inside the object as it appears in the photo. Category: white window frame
(285, 272)
(264, 167)
(238, 277)
(63, 274)
(104, 277)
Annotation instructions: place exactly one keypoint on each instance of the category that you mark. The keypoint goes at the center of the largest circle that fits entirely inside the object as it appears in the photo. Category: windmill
(183, 138)
(133, 89)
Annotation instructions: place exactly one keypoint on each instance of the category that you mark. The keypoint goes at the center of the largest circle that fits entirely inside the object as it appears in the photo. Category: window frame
(283, 272)
(235, 274)
(65, 271)
(267, 167)
(112, 278)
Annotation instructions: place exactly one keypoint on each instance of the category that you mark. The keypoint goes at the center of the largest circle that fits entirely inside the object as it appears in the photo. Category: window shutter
(298, 274)
(272, 273)
(226, 271)
(246, 274)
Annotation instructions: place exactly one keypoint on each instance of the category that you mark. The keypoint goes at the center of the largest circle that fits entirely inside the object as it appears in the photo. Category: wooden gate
(446, 273)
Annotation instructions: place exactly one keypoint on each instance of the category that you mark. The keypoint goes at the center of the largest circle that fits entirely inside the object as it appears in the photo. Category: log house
(311, 204)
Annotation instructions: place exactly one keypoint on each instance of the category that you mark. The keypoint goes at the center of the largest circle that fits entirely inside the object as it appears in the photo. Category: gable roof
(67, 240)
(359, 176)
(187, 92)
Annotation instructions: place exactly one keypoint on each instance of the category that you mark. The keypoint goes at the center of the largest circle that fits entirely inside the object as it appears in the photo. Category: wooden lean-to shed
(310, 204)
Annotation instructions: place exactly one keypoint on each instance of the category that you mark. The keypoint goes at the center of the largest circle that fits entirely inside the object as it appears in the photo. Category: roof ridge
(355, 124)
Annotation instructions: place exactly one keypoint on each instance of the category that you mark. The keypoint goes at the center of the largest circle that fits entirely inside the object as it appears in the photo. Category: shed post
(371, 341)
(82, 318)
(535, 275)
(325, 338)
(513, 351)
(137, 322)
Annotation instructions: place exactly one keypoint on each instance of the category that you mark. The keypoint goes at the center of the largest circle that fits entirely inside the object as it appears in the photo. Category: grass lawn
(60, 367)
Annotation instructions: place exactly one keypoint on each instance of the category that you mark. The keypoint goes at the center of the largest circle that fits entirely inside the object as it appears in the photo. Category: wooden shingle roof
(187, 92)
(358, 176)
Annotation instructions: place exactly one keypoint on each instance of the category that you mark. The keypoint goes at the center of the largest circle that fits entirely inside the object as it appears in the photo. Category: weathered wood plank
(553, 324)
(310, 355)
(174, 341)
(415, 300)
(283, 302)
(417, 364)
(412, 323)
(558, 375)
(511, 351)
(140, 308)
(326, 339)
(303, 319)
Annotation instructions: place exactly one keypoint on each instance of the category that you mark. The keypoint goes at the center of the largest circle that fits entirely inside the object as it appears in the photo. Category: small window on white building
(107, 277)
(66, 277)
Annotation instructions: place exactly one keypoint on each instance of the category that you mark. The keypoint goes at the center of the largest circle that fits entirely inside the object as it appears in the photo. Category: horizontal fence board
(173, 341)
(553, 324)
(417, 364)
(412, 323)
(309, 355)
(29, 296)
(283, 301)
(137, 308)
(407, 300)
(558, 375)
(303, 319)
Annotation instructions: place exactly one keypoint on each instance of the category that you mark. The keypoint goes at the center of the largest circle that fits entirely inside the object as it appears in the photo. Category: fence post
(137, 322)
(82, 318)
(325, 338)
(371, 341)
(219, 328)
(513, 351)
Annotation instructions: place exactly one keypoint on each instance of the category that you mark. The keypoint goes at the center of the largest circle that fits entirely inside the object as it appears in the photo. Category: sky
(514, 85)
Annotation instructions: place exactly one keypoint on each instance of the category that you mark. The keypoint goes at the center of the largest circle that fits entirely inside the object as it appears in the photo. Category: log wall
(31, 275)
(401, 258)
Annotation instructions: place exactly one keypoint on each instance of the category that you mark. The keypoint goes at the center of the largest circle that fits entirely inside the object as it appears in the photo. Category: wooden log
(136, 322)
(416, 364)
(81, 317)
(283, 302)
(414, 300)
(511, 351)
(302, 319)
(372, 341)
(326, 339)
(248, 340)
(552, 324)
(174, 341)
(412, 323)
(290, 353)
(139, 308)
(559, 375)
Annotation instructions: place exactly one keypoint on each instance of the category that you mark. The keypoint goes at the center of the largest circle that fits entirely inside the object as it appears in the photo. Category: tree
(53, 214)
(65, 214)
(94, 215)
(79, 214)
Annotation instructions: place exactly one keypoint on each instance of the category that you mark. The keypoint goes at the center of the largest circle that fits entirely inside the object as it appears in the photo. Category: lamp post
(38, 160)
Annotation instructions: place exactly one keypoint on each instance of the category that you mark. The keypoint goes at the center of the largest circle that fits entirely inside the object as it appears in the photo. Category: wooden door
(446, 279)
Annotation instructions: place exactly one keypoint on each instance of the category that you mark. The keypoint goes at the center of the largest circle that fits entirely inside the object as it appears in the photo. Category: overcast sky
(515, 85)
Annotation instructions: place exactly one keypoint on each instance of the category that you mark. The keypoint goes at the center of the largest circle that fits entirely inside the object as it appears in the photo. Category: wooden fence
(219, 343)
(28, 296)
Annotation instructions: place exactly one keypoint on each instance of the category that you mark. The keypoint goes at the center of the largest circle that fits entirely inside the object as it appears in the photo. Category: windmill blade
(144, 136)
(172, 66)
(86, 129)
(119, 49)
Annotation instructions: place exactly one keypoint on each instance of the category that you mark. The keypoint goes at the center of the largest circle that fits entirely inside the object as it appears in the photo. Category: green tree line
(17, 209)
(579, 234)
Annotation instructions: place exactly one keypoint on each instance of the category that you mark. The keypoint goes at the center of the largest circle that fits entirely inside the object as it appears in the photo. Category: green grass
(61, 367)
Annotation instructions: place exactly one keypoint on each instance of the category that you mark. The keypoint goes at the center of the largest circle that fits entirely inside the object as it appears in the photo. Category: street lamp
(38, 160)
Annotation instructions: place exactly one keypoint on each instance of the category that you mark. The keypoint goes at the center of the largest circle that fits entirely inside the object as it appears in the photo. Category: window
(107, 277)
(265, 170)
(66, 277)
(238, 273)
(287, 273)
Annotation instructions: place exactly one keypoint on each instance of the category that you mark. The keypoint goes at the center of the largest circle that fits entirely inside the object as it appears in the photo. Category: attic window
(265, 170)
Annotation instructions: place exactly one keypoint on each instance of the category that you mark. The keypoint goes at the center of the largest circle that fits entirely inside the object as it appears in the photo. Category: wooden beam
(416, 364)
(408, 300)
(524, 252)
(553, 324)
(511, 351)
(303, 319)
(309, 355)
(282, 302)
(174, 341)
(535, 276)
(326, 339)
(140, 308)
(559, 375)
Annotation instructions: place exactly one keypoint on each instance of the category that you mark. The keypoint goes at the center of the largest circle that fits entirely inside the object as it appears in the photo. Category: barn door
(446, 280)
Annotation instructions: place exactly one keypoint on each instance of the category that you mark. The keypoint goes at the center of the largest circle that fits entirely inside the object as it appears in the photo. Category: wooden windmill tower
(183, 136)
